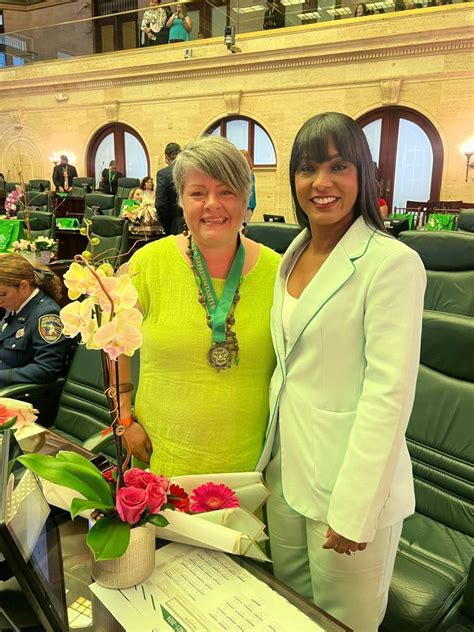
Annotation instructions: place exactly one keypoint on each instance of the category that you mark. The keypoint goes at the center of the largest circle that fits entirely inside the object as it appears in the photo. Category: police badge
(50, 328)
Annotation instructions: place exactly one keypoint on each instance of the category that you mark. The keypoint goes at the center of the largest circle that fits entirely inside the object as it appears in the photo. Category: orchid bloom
(77, 318)
(122, 335)
(79, 280)
(122, 292)
(24, 412)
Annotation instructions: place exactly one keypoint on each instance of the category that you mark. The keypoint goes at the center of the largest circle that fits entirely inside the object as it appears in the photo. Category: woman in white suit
(346, 325)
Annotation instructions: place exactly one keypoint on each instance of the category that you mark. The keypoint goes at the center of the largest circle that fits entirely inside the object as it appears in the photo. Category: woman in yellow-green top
(207, 356)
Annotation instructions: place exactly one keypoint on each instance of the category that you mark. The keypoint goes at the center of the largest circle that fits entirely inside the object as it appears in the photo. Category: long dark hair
(311, 143)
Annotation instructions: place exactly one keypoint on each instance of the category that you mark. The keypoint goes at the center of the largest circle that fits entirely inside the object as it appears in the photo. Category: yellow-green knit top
(198, 420)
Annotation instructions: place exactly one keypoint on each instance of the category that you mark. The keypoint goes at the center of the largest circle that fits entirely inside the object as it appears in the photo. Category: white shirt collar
(32, 295)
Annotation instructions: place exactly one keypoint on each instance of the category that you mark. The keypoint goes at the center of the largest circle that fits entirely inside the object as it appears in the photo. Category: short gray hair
(217, 158)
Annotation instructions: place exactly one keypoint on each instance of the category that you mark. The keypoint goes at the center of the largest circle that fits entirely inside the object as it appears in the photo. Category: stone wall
(419, 59)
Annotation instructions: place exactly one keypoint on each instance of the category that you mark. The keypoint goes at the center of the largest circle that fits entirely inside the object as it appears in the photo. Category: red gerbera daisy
(211, 497)
(178, 497)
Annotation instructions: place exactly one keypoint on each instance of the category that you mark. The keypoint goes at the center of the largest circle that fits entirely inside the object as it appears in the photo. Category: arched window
(121, 143)
(245, 133)
(408, 151)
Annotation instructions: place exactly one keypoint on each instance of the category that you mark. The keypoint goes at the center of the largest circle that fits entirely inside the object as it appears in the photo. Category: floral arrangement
(40, 244)
(140, 214)
(13, 201)
(16, 415)
(119, 508)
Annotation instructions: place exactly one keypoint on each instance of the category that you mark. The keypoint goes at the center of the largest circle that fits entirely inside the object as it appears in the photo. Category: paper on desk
(192, 589)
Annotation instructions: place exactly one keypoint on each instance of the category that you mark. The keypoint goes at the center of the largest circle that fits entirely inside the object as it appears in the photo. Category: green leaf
(79, 504)
(77, 477)
(158, 520)
(108, 539)
(168, 506)
(8, 424)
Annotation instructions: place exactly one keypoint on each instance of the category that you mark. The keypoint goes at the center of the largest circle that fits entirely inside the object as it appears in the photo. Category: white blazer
(343, 389)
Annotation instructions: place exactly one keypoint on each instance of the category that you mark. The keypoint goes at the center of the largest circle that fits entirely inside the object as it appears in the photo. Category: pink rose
(131, 502)
(135, 477)
(156, 497)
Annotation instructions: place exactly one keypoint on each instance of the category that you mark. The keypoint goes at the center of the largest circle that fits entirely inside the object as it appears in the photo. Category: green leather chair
(102, 200)
(38, 201)
(429, 589)
(113, 234)
(273, 234)
(449, 261)
(38, 185)
(78, 188)
(83, 410)
(124, 187)
(466, 220)
(42, 223)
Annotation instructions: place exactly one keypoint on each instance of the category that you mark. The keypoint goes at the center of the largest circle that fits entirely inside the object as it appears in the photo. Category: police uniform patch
(50, 328)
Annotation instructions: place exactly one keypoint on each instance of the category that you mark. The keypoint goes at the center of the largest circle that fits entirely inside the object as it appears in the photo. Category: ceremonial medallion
(220, 356)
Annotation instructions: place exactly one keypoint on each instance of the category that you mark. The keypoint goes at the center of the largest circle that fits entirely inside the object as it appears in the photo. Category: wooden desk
(69, 206)
(70, 243)
(86, 612)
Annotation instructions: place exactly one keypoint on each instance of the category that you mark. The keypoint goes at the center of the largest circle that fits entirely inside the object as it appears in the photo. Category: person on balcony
(180, 25)
(153, 28)
(274, 17)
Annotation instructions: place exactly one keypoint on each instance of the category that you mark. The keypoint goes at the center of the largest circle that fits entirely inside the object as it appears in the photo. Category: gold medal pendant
(220, 356)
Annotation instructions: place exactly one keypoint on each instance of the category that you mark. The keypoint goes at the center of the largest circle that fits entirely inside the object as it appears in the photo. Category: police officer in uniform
(32, 347)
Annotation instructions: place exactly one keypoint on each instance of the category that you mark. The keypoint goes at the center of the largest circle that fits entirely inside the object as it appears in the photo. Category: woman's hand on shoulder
(139, 442)
(342, 545)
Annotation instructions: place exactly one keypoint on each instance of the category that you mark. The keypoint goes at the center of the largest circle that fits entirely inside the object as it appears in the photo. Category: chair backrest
(113, 234)
(78, 188)
(40, 201)
(439, 434)
(10, 186)
(466, 220)
(449, 261)
(125, 185)
(38, 185)
(83, 407)
(273, 234)
(104, 201)
(42, 223)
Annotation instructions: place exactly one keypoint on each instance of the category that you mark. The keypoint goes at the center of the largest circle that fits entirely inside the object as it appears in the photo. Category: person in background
(169, 213)
(109, 179)
(180, 25)
(153, 27)
(361, 10)
(63, 174)
(206, 358)
(342, 394)
(274, 17)
(32, 347)
(148, 189)
(252, 203)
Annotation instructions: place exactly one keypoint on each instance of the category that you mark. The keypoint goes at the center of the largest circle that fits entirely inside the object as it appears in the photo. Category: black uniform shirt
(32, 347)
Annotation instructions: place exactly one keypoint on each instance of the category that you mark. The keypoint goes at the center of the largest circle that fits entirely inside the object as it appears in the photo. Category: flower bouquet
(41, 248)
(142, 217)
(16, 415)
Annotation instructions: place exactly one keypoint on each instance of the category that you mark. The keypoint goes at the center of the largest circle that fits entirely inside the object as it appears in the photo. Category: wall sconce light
(468, 155)
(467, 150)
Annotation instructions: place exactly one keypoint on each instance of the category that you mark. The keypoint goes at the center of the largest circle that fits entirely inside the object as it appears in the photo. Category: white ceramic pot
(135, 565)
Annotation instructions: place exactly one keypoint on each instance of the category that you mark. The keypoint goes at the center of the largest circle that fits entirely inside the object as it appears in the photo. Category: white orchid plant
(40, 244)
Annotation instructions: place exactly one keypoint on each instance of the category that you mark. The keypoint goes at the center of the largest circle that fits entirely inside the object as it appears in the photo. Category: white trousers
(354, 588)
